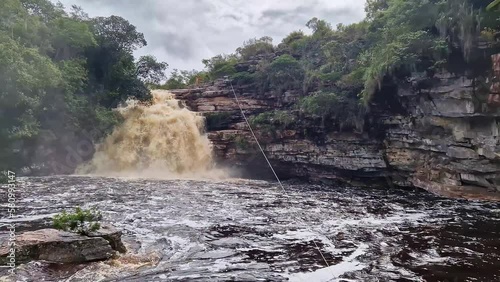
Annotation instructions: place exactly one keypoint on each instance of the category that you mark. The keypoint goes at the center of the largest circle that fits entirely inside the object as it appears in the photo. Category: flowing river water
(247, 230)
(178, 229)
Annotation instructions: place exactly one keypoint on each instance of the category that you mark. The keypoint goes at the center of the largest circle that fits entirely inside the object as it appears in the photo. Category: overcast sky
(183, 32)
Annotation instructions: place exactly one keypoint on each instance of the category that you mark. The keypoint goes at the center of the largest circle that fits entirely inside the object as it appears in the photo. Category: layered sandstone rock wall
(442, 137)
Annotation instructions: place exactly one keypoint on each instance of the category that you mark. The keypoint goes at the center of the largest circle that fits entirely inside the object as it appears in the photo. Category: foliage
(269, 123)
(243, 77)
(460, 24)
(320, 104)
(182, 79)
(60, 75)
(150, 70)
(81, 221)
(345, 111)
(319, 27)
(278, 119)
(404, 52)
(285, 73)
(241, 142)
(340, 69)
(255, 47)
(294, 36)
(117, 32)
(220, 66)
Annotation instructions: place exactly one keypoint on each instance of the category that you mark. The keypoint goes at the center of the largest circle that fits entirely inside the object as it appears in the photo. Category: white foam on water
(374, 221)
(306, 235)
(331, 273)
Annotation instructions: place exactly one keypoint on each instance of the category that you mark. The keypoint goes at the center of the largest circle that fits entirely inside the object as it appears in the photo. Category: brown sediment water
(162, 139)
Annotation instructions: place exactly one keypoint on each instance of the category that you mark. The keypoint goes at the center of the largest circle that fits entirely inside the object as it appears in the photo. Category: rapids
(159, 140)
(245, 230)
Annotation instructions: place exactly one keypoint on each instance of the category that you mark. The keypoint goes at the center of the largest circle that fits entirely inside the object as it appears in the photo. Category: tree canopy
(60, 75)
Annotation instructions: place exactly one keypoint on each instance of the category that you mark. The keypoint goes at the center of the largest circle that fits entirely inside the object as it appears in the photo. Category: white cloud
(182, 33)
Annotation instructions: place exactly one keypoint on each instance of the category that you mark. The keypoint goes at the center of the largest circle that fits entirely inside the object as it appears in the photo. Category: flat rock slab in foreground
(57, 246)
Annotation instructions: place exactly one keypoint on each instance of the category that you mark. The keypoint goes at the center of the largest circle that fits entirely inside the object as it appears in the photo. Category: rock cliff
(434, 133)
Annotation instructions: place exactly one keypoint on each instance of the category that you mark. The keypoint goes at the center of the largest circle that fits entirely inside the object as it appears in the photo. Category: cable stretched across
(269, 163)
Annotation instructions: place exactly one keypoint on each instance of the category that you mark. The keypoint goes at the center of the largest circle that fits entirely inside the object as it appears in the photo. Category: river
(247, 230)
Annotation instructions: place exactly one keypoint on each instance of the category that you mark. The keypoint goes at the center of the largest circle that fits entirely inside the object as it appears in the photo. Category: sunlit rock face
(436, 133)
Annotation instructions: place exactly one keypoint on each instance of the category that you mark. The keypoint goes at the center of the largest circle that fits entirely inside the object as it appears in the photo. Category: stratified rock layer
(443, 138)
(58, 246)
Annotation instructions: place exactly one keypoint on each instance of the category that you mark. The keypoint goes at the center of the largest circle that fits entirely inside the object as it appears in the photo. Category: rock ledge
(58, 246)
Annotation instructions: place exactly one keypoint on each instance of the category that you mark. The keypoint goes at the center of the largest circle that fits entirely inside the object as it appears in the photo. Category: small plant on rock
(82, 221)
(241, 142)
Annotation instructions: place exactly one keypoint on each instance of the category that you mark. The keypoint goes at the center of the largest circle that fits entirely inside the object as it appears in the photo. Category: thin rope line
(274, 172)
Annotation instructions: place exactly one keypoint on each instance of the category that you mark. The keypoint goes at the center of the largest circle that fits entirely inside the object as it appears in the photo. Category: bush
(254, 47)
(346, 111)
(243, 77)
(320, 104)
(220, 66)
(82, 221)
(404, 52)
(277, 119)
(241, 142)
(285, 73)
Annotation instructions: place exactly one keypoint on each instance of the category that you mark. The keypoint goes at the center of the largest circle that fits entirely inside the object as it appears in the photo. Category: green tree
(60, 76)
(117, 32)
(254, 47)
(150, 70)
(220, 65)
(182, 79)
(319, 27)
(285, 72)
(320, 104)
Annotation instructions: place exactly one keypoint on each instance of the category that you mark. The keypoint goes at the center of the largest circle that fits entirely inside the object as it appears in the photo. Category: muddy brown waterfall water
(160, 140)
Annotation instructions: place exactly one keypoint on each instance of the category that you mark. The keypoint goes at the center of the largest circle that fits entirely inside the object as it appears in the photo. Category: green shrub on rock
(272, 120)
(82, 221)
(241, 78)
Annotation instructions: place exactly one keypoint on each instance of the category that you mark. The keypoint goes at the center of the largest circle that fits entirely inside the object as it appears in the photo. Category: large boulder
(112, 235)
(58, 246)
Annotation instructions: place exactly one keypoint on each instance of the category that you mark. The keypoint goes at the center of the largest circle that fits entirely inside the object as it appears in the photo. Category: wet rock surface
(238, 230)
(57, 246)
(112, 235)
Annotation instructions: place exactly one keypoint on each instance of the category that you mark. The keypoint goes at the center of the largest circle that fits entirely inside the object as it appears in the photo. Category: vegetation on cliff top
(338, 70)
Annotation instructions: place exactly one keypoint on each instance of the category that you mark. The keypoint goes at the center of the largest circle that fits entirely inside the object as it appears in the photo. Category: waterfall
(162, 139)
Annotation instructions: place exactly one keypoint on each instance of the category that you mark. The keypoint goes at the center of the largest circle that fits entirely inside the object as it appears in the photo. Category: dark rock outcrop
(58, 246)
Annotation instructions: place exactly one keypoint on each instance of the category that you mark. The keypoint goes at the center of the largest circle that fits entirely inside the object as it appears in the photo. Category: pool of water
(246, 230)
